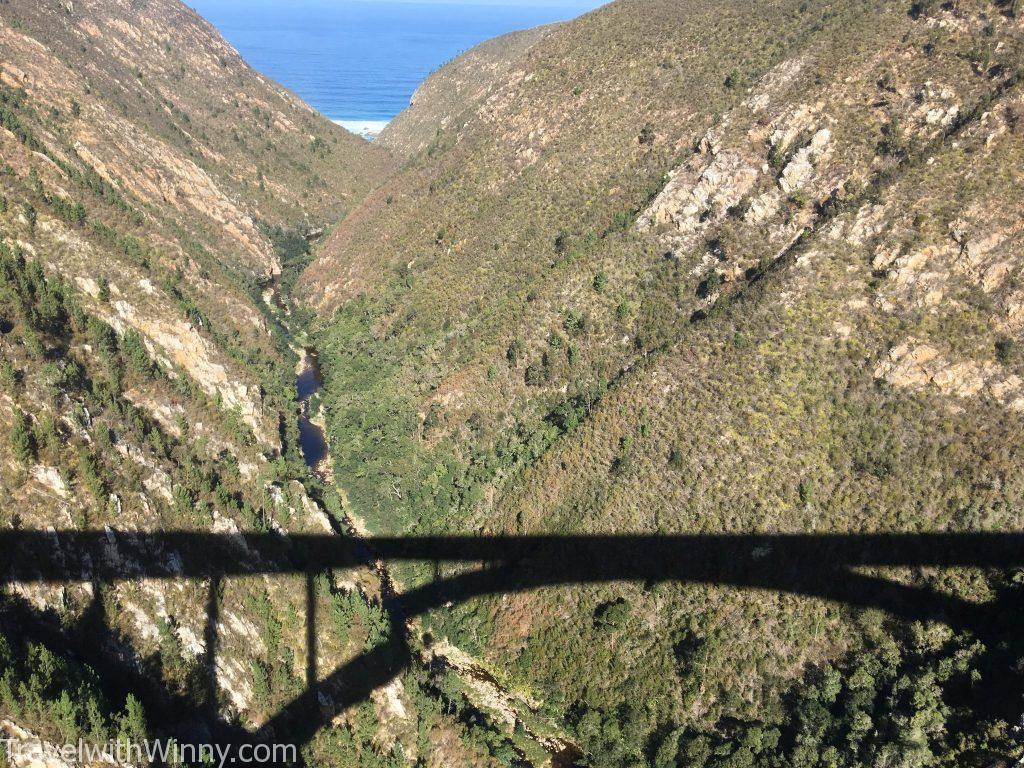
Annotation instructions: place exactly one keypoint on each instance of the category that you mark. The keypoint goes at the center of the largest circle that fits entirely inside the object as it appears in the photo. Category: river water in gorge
(308, 382)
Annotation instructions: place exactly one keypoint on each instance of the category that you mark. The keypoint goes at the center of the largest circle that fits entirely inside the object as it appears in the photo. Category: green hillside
(706, 268)
(671, 269)
(157, 199)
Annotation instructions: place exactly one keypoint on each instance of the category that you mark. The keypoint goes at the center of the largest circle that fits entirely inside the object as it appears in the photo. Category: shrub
(514, 352)
(710, 284)
(561, 243)
(1004, 349)
(573, 322)
(622, 221)
(89, 471)
(892, 142)
(534, 376)
(611, 615)
(134, 351)
(8, 375)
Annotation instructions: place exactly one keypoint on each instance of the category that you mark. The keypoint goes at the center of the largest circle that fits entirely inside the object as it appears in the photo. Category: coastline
(368, 129)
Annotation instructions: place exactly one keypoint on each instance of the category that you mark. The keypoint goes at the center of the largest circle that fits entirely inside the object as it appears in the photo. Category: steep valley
(684, 271)
(152, 188)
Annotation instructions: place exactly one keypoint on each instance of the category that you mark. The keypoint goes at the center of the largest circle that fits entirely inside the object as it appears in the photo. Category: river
(308, 381)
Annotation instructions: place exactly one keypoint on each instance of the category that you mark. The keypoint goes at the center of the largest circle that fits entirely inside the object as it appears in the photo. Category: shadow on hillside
(831, 567)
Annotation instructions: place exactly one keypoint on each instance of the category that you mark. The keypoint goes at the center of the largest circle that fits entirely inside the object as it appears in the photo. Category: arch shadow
(833, 567)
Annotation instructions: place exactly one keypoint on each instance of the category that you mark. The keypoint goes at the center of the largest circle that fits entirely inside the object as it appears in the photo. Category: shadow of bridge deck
(827, 566)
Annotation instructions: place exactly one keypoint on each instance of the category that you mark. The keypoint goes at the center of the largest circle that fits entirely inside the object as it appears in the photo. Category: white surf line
(368, 129)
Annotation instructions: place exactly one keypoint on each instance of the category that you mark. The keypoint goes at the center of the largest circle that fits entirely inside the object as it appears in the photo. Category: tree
(134, 351)
(23, 444)
(65, 714)
(665, 756)
(89, 471)
(133, 721)
(514, 353)
(611, 615)
(30, 216)
(8, 375)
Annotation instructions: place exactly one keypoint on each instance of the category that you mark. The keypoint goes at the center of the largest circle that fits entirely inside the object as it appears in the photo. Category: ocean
(358, 62)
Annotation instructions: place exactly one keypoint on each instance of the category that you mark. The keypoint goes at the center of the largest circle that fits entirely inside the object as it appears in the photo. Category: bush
(514, 352)
(893, 142)
(622, 221)
(8, 375)
(1005, 348)
(611, 615)
(134, 351)
(534, 376)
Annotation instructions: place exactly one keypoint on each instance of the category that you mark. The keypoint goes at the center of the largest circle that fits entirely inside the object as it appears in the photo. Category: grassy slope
(498, 233)
(458, 86)
(698, 371)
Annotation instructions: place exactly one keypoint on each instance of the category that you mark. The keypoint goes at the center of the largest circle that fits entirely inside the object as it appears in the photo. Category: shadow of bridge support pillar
(210, 639)
(311, 630)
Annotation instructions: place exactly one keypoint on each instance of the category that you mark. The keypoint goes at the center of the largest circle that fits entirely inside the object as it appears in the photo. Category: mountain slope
(454, 88)
(707, 268)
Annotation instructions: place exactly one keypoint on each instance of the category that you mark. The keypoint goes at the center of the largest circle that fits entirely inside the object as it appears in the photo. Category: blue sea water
(359, 61)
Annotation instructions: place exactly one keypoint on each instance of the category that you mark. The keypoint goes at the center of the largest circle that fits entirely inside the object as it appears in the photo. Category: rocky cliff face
(153, 155)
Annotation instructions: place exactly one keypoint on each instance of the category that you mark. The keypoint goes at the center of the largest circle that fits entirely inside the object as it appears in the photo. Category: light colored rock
(688, 204)
(27, 750)
(914, 364)
(799, 171)
(773, 83)
(179, 343)
(869, 221)
(50, 478)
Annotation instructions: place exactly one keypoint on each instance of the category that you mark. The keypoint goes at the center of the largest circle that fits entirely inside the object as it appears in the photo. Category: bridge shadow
(834, 567)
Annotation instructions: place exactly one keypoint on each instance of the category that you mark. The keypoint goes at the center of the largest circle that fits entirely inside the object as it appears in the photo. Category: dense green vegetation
(912, 696)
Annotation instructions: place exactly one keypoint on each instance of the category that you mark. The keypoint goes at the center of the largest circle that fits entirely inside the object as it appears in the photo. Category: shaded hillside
(455, 88)
(707, 268)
